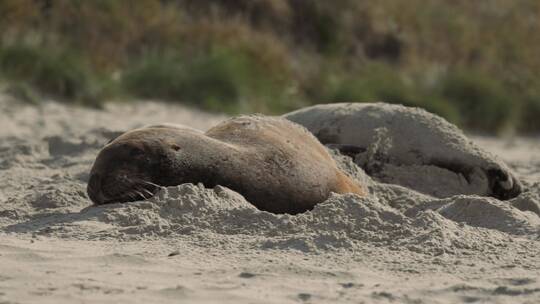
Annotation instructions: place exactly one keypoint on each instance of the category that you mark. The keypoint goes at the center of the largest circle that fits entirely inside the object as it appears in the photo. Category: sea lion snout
(122, 172)
(120, 186)
(94, 189)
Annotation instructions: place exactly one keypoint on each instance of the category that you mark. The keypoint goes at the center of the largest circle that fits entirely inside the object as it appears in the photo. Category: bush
(23, 92)
(380, 82)
(266, 55)
(60, 74)
(529, 121)
(482, 101)
(221, 80)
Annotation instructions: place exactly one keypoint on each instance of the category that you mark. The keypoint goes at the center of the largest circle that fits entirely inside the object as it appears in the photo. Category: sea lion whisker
(147, 191)
(142, 191)
(140, 194)
(151, 184)
(131, 195)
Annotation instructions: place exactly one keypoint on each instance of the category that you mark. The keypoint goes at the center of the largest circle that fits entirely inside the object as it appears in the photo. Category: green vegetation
(530, 121)
(23, 92)
(55, 72)
(222, 80)
(484, 98)
(380, 82)
(473, 62)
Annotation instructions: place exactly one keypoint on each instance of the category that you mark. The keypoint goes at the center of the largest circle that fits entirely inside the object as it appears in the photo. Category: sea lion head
(132, 166)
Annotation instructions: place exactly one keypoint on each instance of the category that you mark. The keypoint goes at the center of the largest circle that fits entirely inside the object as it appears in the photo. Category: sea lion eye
(175, 147)
(136, 152)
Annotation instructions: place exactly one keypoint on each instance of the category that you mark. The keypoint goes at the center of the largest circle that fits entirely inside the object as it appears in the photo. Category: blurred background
(476, 63)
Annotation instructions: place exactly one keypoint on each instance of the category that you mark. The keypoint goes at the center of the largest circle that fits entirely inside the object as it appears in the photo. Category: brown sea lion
(274, 163)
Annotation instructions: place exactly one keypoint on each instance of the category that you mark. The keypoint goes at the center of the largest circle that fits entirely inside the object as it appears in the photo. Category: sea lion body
(275, 164)
(395, 144)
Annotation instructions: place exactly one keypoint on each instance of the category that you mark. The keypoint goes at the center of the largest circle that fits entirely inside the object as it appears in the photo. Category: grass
(472, 64)
(220, 80)
(380, 82)
(482, 101)
(57, 73)
(23, 92)
(529, 122)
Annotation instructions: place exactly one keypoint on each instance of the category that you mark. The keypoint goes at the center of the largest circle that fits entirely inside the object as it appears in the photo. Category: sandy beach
(190, 244)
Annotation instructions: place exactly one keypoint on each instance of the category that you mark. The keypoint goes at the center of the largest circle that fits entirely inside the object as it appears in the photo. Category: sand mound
(343, 221)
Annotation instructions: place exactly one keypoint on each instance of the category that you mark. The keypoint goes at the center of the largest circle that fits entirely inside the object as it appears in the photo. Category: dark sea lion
(274, 163)
(410, 147)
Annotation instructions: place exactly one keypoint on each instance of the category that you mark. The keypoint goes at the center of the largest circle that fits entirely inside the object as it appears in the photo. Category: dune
(192, 244)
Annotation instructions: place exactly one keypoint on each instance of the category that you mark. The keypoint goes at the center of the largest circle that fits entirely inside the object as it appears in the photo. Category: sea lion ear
(113, 135)
(174, 146)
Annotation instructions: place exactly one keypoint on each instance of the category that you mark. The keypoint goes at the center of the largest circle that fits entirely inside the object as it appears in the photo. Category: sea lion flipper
(503, 184)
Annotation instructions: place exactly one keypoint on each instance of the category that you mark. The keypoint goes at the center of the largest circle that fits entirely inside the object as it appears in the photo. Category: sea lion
(410, 147)
(275, 164)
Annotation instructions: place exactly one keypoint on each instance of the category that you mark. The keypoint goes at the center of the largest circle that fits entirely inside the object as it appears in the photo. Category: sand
(190, 244)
